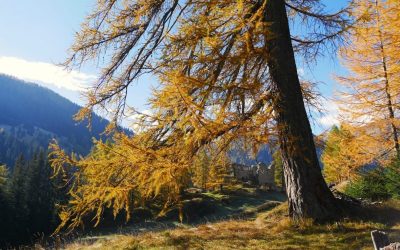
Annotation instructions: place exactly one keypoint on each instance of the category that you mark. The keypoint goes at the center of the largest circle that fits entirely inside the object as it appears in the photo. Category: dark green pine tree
(392, 178)
(41, 198)
(27, 200)
(5, 210)
(18, 195)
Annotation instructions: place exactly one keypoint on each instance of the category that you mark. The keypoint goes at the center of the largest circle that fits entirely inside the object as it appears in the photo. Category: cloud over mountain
(45, 72)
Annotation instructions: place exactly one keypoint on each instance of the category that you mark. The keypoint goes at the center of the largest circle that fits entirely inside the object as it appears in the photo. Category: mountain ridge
(32, 115)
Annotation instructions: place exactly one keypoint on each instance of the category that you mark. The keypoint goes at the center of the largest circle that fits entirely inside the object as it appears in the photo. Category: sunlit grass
(269, 230)
(216, 196)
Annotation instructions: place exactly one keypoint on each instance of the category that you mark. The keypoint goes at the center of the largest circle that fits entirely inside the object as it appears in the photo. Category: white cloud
(329, 120)
(46, 73)
(301, 72)
(135, 120)
(330, 115)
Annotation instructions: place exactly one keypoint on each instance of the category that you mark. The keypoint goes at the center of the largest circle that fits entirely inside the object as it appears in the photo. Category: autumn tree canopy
(346, 152)
(226, 70)
(370, 96)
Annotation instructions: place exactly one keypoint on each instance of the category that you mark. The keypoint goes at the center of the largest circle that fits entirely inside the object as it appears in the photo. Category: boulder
(392, 246)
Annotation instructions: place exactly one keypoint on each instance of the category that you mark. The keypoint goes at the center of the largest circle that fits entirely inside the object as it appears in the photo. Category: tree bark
(390, 107)
(308, 194)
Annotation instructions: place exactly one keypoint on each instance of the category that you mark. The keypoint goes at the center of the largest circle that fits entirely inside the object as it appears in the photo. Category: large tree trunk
(308, 194)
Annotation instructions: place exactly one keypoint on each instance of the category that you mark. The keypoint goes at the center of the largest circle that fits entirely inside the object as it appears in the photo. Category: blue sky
(35, 35)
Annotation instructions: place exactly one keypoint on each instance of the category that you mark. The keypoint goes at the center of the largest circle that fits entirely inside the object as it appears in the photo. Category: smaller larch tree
(201, 168)
(344, 154)
(278, 174)
(370, 96)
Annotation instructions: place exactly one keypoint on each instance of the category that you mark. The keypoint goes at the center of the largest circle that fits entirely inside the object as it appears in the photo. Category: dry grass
(270, 230)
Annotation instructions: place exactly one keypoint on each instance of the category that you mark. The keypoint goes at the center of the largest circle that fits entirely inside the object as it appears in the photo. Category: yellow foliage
(346, 151)
(371, 92)
(3, 175)
(212, 61)
(115, 175)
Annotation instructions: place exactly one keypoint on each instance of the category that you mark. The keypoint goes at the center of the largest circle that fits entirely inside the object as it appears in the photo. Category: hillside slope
(30, 116)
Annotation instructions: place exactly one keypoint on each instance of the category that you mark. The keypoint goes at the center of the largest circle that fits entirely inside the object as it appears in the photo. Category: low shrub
(369, 186)
(378, 184)
(392, 175)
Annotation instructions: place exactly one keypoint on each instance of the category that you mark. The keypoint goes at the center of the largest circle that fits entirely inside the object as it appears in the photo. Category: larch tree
(278, 164)
(3, 175)
(226, 70)
(345, 152)
(210, 169)
(371, 94)
(201, 169)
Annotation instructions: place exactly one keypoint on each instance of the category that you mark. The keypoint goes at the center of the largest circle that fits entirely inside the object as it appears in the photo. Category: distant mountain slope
(30, 116)
(245, 157)
(239, 155)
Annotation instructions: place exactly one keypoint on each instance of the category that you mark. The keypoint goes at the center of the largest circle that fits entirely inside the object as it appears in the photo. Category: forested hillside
(31, 116)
